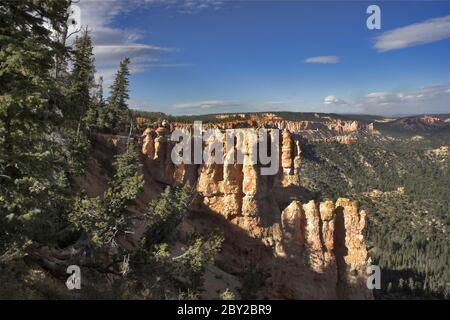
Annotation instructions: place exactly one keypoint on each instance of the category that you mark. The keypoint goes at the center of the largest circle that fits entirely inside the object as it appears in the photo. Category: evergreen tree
(101, 106)
(82, 81)
(106, 218)
(154, 265)
(95, 116)
(118, 114)
(33, 183)
(166, 212)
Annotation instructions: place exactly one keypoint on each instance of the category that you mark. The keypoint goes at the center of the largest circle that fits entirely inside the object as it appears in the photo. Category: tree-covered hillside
(403, 184)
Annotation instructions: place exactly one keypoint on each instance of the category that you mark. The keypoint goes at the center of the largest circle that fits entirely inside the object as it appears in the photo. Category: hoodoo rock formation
(329, 238)
(318, 248)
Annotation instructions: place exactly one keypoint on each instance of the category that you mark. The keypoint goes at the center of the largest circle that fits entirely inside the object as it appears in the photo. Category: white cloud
(112, 44)
(415, 34)
(333, 100)
(428, 99)
(188, 6)
(412, 95)
(96, 13)
(205, 104)
(323, 59)
(165, 65)
(140, 104)
(377, 95)
(113, 53)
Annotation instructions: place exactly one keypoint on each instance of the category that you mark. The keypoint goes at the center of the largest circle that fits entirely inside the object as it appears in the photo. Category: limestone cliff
(328, 236)
(317, 249)
(319, 125)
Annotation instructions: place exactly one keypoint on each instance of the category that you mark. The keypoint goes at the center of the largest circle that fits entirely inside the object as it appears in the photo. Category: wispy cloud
(205, 104)
(140, 104)
(418, 95)
(333, 100)
(187, 6)
(427, 99)
(112, 44)
(111, 54)
(323, 59)
(423, 100)
(165, 65)
(415, 34)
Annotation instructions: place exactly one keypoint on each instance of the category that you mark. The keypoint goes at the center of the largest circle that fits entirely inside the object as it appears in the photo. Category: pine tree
(82, 80)
(154, 265)
(106, 218)
(101, 106)
(118, 114)
(95, 116)
(33, 183)
(166, 212)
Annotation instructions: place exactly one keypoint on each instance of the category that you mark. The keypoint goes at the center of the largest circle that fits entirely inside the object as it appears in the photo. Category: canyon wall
(324, 125)
(318, 247)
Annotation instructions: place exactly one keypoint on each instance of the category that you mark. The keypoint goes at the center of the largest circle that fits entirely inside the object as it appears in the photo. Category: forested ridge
(404, 188)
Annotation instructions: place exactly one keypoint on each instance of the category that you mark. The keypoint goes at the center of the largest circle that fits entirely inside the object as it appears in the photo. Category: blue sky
(209, 56)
